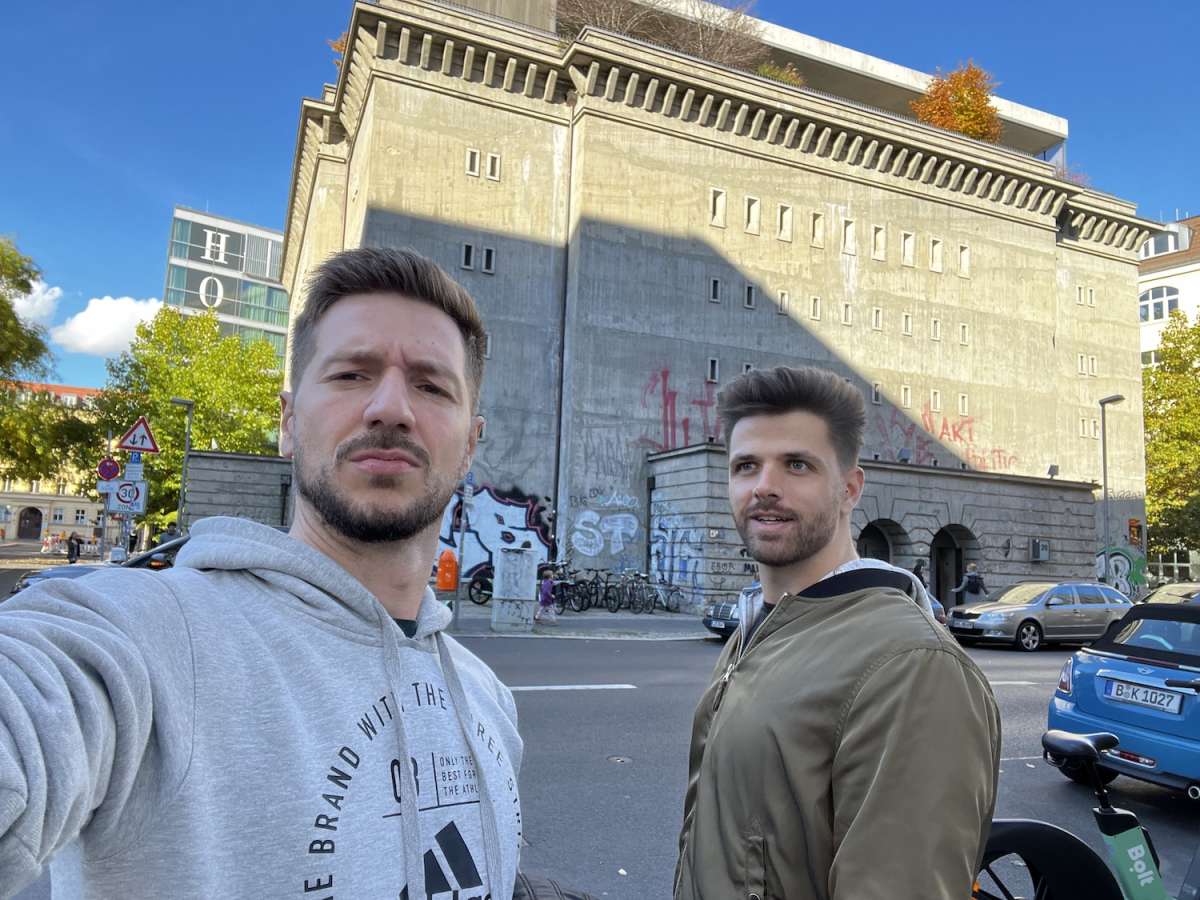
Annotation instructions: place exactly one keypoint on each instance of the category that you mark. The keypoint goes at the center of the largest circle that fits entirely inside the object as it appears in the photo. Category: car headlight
(994, 618)
(709, 610)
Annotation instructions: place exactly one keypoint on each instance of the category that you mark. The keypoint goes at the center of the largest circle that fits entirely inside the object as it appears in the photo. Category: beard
(809, 536)
(371, 524)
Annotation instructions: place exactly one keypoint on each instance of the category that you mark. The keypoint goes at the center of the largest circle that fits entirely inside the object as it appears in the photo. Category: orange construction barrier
(447, 571)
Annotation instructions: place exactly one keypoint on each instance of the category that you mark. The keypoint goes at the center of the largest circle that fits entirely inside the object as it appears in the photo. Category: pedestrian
(972, 588)
(545, 613)
(846, 747)
(73, 546)
(919, 571)
(171, 532)
(283, 713)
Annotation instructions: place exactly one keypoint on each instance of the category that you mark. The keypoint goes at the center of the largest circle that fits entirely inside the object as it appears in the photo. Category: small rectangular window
(876, 393)
(935, 330)
(907, 323)
(784, 302)
(785, 222)
(746, 367)
(1079, 294)
(878, 242)
(1092, 366)
(81, 517)
(964, 261)
(877, 318)
(714, 290)
(817, 230)
(935, 254)
(489, 260)
(814, 308)
(1080, 363)
(57, 515)
(750, 297)
(908, 244)
(1091, 296)
(468, 256)
(964, 333)
(1096, 429)
(487, 345)
(493, 166)
(848, 241)
(1083, 427)
(753, 215)
(963, 407)
(906, 396)
(847, 314)
(935, 400)
(714, 370)
(1147, 357)
(472, 162)
(716, 207)
(483, 430)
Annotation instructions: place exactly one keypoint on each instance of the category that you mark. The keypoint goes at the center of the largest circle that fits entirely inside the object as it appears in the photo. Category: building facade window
(784, 302)
(35, 486)
(817, 230)
(1157, 303)
(1091, 296)
(714, 370)
(963, 405)
(487, 345)
(879, 242)
(489, 260)
(876, 393)
(814, 308)
(906, 396)
(908, 245)
(935, 254)
(1091, 366)
(714, 290)
(1083, 427)
(58, 515)
(877, 318)
(81, 517)
(935, 329)
(1081, 363)
(849, 244)
(784, 222)
(60, 488)
(1079, 295)
(964, 333)
(493, 166)
(467, 260)
(472, 166)
(1149, 357)
(750, 297)
(746, 367)
(1096, 429)
(847, 314)
(964, 261)
(906, 324)
(716, 207)
(935, 400)
(753, 223)
(1163, 242)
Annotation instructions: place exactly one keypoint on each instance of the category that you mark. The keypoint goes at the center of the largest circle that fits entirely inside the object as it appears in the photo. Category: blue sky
(118, 111)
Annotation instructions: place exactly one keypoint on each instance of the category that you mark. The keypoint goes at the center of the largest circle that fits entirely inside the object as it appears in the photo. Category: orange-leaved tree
(961, 101)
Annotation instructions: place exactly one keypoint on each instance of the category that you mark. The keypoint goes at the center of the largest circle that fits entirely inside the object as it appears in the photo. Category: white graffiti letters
(592, 532)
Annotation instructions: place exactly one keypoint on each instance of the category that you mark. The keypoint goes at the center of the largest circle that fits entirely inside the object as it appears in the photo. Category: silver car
(1031, 613)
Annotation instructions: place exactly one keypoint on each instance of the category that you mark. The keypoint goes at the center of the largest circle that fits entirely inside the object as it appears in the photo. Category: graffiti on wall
(1126, 570)
(676, 551)
(893, 431)
(697, 422)
(498, 518)
(606, 524)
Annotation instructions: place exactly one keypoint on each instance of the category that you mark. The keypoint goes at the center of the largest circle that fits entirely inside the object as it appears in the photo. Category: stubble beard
(373, 525)
(810, 536)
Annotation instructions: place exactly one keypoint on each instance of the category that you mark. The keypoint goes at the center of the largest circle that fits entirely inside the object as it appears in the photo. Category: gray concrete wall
(236, 484)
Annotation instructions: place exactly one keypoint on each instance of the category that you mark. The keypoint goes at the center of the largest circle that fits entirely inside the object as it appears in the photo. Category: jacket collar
(857, 580)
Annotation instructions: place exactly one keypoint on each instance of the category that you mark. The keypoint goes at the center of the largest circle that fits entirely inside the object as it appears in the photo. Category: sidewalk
(595, 624)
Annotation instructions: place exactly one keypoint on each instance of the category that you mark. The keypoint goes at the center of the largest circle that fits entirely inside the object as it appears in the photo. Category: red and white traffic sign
(108, 469)
(138, 438)
(128, 497)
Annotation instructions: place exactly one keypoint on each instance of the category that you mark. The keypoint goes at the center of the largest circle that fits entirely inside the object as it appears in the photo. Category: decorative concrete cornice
(319, 136)
(532, 72)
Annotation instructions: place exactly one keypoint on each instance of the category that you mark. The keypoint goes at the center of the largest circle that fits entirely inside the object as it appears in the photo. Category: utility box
(514, 589)
(1039, 550)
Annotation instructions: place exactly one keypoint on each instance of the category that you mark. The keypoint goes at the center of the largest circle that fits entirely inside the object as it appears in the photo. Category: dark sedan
(160, 557)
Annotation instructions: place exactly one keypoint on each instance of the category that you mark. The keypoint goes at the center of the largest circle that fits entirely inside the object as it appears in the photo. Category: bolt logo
(1144, 874)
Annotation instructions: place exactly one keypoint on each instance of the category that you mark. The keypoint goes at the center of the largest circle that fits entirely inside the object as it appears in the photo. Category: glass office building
(232, 268)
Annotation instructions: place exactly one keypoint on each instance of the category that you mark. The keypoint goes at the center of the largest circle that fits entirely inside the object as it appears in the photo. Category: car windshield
(1020, 594)
(1179, 638)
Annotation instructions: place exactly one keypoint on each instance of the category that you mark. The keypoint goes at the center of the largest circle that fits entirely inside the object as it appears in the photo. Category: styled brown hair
(385, 270)
(772, 392)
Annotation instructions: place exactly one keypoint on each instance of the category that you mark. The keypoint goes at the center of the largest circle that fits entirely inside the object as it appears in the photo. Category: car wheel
(1029, 636)
(1079, 774)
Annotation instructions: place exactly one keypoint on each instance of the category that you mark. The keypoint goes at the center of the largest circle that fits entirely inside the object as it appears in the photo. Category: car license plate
(1141, 695)
(968, 624)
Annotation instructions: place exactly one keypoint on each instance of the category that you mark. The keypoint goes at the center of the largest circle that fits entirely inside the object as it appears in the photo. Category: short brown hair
(772, 392)
(385, 270)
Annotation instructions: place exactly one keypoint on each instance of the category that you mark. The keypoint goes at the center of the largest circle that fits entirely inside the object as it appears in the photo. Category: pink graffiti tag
(676, 430)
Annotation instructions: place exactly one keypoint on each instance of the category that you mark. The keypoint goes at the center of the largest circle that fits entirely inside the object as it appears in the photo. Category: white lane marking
(1020, 683)
(1018, 758)
(575, 687)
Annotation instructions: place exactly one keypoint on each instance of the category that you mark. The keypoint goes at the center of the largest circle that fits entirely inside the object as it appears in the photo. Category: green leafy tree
(23, 350)
(1171, 391)
(235, 387)
(35, 434)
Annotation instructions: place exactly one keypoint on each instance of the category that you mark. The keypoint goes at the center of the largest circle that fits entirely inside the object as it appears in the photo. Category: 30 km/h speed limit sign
(128, 497)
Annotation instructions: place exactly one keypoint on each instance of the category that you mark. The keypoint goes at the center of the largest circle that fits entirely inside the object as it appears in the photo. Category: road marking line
(1020, 683)
(575, 687)
(1018, 758)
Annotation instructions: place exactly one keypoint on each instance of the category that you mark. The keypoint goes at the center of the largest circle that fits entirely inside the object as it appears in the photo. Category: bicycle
(479, 589)
(1063, 867)
(665, 595)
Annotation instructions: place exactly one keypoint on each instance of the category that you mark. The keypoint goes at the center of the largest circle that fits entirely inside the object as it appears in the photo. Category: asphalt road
(604, 770)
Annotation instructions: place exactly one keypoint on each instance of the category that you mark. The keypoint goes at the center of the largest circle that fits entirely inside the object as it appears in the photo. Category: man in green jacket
(847, 748)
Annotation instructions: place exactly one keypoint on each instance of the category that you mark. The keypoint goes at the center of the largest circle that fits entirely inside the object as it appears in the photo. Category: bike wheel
(480, 589)
(674, 599)
(560, 598)
(613, 597)
(577, 597)
(639, 598)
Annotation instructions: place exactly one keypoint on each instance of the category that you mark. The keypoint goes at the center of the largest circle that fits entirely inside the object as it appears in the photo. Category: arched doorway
(951, 549)
(873, 544)
(29, 524)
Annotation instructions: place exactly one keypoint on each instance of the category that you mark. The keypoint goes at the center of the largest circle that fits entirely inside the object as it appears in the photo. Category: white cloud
(106, 326)
(38, 306)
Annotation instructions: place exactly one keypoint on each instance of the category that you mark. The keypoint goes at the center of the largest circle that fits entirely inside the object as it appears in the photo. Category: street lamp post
(1104, 404)
(187, 449)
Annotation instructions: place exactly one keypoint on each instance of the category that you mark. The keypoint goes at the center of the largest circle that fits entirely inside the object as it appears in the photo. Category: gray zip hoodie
(251, 723)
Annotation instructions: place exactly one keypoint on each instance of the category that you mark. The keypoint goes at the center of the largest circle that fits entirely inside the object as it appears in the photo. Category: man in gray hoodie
(283, 715)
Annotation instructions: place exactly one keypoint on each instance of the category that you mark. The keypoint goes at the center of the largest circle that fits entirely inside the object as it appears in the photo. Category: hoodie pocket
(755, 876)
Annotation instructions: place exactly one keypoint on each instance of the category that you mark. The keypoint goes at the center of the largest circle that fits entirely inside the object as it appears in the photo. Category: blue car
(1141, 682)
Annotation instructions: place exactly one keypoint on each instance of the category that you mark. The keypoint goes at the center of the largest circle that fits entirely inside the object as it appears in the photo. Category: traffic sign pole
(468, 492)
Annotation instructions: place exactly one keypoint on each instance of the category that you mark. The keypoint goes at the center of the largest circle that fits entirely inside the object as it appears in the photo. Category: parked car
(1141, 682)
(160, 557)
(1179, 592)
(1031, 613)
(722, 618)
